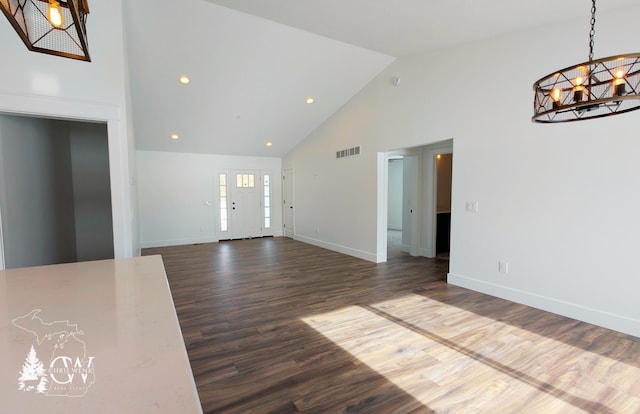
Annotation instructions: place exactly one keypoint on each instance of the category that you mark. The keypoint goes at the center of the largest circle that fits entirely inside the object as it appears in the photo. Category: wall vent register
(349, 152)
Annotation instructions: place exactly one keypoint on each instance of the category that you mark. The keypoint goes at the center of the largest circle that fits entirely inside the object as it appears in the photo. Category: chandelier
(592, 89)
(55, 27)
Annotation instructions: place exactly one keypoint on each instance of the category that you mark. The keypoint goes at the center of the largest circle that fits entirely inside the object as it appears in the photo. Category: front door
(245, 205)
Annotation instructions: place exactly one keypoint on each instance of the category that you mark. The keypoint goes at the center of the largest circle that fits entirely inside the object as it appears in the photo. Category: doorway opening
(55, 191)
(444, 169)
(394, 206)
(415, 201)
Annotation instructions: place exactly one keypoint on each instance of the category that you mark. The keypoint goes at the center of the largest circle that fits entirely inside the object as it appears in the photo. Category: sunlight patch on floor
(453, 360)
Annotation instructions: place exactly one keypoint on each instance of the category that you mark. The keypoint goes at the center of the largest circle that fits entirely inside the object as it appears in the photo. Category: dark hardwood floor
(277, 326)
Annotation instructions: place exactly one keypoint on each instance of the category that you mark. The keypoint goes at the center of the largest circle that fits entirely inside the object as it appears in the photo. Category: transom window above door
(245, 181)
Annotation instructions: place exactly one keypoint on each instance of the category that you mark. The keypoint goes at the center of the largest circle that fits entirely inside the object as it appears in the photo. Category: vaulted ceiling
(253, 63)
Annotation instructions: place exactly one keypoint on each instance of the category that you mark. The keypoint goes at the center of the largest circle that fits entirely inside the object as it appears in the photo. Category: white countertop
(105, 339)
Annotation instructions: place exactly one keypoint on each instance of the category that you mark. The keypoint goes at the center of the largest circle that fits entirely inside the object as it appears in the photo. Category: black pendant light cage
(593, 89)
(29, 19)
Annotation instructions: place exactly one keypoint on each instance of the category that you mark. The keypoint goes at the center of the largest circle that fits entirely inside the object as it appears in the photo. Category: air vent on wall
(349, 152)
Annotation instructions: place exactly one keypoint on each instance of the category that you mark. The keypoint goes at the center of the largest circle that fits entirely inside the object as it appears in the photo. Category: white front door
(245, 206)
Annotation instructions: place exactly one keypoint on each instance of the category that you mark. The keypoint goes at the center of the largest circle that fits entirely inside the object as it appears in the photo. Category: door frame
(123, 186)
(424, 220)
(291, 176)
(231, 191)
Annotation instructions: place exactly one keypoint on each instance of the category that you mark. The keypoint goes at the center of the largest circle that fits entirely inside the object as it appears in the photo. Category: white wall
(44, 85)
(558, 202)
(177, 195)
(394, 216)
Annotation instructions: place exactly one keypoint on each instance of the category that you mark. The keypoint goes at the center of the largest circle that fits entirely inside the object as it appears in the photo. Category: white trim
(383, 207)
(283, 193)
(337, 248)
(51, 107)
(177, 242)
(571, 310)
(75, 110)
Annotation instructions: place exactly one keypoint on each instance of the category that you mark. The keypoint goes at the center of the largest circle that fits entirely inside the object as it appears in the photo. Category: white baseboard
(571, 310)
(176, 242)
(337, 248)
(193, 240)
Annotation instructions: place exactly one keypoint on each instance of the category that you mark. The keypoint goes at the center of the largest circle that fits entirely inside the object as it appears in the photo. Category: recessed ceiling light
(269, 144)
(175, 136)
(184, 80)
(310, 100)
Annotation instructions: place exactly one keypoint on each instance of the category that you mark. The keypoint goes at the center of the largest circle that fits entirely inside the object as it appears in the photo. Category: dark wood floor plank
(278, 326)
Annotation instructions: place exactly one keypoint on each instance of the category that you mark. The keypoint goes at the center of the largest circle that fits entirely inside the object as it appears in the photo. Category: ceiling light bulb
(579, 80)
(174, 136)
(55, 14)
(310, 100)
(619, 74)
(269, 144)
(184, 80)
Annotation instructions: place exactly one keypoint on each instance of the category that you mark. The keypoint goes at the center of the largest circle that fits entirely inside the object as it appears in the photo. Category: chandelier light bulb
(619, 88)
(578, 91)
(55, 14)
(556, 95)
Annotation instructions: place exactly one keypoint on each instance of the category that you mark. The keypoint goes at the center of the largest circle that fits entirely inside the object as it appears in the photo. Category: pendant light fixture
(55, 27)
(592, 89)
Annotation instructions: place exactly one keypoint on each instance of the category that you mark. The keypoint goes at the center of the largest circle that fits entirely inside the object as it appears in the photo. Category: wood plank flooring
(277, 326)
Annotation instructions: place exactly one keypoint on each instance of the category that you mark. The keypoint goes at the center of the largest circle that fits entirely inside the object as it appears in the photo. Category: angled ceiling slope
(405, 27)
(250, 78)
(254, 62)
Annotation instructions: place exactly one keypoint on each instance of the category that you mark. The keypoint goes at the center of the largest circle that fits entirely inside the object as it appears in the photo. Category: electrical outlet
(503, 267)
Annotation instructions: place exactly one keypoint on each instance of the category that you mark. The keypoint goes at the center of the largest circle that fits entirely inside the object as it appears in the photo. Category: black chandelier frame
(29, 20)
(609, 86)
(593, 89)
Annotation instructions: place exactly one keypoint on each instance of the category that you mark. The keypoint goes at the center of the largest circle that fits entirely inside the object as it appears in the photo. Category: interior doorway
(421, 206)
(444, 169)
(394, 206)
(55, 192)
